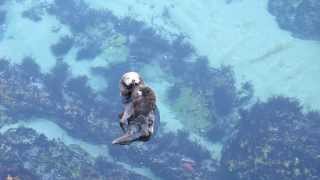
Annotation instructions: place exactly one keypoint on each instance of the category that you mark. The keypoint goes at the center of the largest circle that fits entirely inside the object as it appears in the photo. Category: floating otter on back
(137, 120)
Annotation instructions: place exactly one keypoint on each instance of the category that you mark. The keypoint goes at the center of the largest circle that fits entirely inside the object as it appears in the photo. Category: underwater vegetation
(111, 74)
(34, 13)
(191, 109)
(15, 171)
(91, 28)
(215, 89)
(171, 156)
(115, 172)
(2, 17)
(293, 15)
(55, 80)
(63, 46)
(79, 89)
(29, 68)
(264, 140)
(79, 17)
(28, 155)
(95, 30)
(55, 95)
(90, 51)
(274, 140)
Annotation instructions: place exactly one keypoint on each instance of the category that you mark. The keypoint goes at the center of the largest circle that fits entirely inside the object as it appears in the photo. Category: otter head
(128, 81)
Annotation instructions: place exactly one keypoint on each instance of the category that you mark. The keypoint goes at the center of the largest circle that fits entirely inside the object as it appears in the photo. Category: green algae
(116, 49)
(190, 108)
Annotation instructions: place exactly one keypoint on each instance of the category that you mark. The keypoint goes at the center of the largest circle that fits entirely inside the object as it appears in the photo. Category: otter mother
(138, 118)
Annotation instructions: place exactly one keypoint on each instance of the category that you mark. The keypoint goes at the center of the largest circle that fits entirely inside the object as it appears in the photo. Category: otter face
(128, 81)
(130, 78)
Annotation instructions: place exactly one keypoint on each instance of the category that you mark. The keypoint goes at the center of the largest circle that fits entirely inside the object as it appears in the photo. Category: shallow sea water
(198, 56)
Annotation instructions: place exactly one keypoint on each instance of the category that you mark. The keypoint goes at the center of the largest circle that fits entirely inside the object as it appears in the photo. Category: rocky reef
(274, 140)
(100, 34)
(263, 140)
(300, 17)
(62, 47)
(70, 102)
(2, 17)
(171, 156)
(27, 155)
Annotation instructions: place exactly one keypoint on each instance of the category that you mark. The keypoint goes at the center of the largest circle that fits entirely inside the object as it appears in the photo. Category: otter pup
(137, 120)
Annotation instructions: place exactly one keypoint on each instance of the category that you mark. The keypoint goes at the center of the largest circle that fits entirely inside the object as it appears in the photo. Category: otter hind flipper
(136, 131)
(128, 138)
(123, 140)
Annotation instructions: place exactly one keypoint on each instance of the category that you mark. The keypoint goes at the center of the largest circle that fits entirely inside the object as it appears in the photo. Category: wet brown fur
(143, 102)
(138, 116)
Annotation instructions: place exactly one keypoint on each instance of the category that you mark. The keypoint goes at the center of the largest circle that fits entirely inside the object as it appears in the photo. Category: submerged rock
(70, 102)
(275, 140)
(28, 155)
(2, 17)
(63, 46)
(301, 17)
(171, 156)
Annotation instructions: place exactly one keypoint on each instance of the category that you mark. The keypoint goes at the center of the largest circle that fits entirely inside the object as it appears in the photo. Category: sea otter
(137, 120)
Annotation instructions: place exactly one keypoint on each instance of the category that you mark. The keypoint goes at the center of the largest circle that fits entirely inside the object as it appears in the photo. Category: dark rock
(29, 68)
(57, 96)
(78, 16)
(275, 140)
(107, 169)
(171, 156)
(78, 88)
(16, 171)
(2, 17)
(28, 155)
(55, 80)
(299, 17)
(63, 46)
(35, 14)
(89, 51)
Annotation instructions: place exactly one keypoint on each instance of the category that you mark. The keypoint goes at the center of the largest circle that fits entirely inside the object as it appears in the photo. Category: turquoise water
(236, 86)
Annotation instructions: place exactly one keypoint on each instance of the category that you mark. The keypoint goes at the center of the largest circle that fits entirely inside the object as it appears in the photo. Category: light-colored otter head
(130, 78)
(128, 81)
